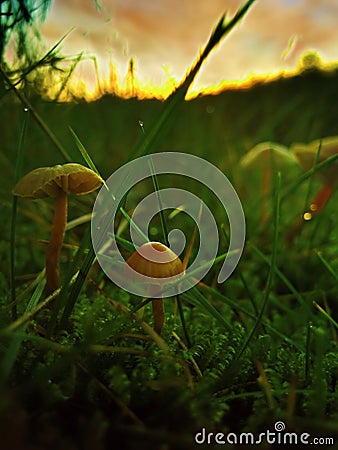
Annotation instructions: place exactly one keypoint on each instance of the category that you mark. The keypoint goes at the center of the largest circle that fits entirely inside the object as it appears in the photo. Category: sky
(164, 37)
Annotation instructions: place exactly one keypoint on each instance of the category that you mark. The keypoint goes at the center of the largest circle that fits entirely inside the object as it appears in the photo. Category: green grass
(262, 347)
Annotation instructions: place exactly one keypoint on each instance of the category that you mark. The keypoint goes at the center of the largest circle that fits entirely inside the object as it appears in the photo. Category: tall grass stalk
(70, 291)
(272, 269)
(309, 189)
(326, 315)
(222, 29)
(166, 241)
(48, 60)
(327, 265)
(12, 351)
(17, 175)
(69, 74)
(64, 299)
(286, 281)
(310, 173)
(241, 276)
(236, 306)
(38, 119)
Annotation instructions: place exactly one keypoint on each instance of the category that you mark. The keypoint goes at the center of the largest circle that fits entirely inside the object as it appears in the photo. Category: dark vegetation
(109, 126)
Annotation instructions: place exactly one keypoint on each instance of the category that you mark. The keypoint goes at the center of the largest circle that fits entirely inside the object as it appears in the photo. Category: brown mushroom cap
(306, 155)
(155, 260)
(48, 181)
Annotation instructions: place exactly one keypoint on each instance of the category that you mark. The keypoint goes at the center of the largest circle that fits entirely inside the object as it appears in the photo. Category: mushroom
(57, 182)
(306, 155)
(266, 157)
(160, 264)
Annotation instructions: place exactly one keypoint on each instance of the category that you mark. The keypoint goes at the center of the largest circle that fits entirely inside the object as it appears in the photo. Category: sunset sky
(165, 36)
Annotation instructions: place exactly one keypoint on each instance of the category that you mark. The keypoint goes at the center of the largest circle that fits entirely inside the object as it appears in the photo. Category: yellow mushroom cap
(155, 260)
(267, 155)
(48, 181)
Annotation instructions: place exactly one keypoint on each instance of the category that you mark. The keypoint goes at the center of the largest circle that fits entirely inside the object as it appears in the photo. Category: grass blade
(326, 315)
(160, 205)
(221, 30)
(327, 265)
(310, 173)
(127, 245)
(241, 276)
(69, 74)
(18, 173)
(238, 307)
(272, 270)
(196, 298)
(287, 283)
(38, 119)
(92, 166)
(15, 344)
(315, 163)
(84, 153)
(81, 276)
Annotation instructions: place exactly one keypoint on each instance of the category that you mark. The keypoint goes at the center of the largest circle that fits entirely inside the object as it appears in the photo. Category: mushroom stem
(318, 203)
(266, 185)
(321, 198)
(55, 242)
(158, 314)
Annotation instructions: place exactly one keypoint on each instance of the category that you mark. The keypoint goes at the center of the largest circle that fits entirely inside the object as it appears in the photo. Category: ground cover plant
(83, 367)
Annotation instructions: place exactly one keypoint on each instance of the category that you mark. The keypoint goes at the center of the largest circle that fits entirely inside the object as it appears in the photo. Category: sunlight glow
(90, 81)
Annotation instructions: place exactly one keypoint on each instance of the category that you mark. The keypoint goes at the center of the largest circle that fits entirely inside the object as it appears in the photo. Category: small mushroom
(57, 182)
(158, 262)
(306, 155)
(267, 157)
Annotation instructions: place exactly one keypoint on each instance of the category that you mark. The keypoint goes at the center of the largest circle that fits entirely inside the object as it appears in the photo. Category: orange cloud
(171, 32)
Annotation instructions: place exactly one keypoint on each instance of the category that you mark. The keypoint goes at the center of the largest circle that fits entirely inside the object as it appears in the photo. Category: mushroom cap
(155, 260)
(306, 156)
(49, 181)
(267, 155)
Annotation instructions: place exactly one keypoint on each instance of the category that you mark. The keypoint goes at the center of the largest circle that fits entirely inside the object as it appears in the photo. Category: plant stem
(266, 186)
(36, 116)
(318, 203)
(55, 242)
(322, 197)
(158, 313)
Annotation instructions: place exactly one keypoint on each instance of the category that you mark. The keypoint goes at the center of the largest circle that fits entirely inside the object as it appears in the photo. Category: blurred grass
(109, 127)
